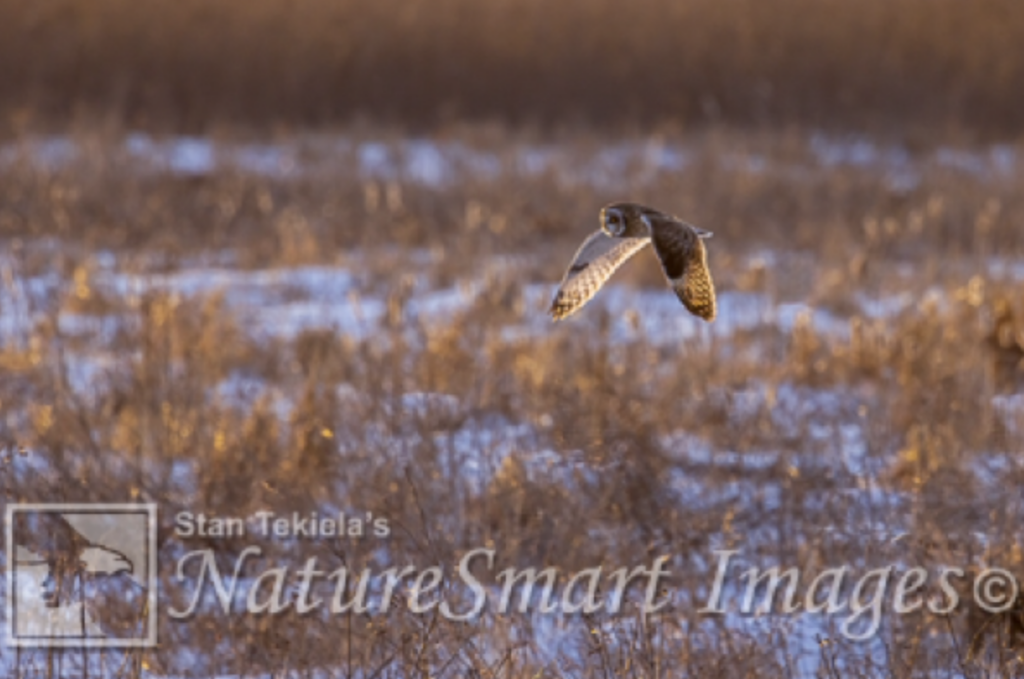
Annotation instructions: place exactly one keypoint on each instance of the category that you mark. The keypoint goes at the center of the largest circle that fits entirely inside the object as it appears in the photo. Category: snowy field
(835, 412)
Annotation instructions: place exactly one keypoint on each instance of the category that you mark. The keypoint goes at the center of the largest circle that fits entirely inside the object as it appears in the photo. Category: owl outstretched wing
(594, 263)
(680, 247)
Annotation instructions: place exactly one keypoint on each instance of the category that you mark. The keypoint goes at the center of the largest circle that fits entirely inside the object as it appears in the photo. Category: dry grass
(899, 66)
(606, 465)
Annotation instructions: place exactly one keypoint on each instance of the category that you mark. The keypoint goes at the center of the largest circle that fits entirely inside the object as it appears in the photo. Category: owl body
(626, 228)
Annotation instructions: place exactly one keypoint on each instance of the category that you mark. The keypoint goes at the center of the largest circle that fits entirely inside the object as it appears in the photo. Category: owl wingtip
(560, 307)
(704, 310)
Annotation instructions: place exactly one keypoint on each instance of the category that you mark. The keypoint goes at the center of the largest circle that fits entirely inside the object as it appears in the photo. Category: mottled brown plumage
(625, 229)
(594, 263)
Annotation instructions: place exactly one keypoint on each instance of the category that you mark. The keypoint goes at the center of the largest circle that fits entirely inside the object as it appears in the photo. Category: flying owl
(626, 228)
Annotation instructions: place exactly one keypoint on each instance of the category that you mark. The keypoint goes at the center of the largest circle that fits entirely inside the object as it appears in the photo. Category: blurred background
(900, 67)
(296, 256)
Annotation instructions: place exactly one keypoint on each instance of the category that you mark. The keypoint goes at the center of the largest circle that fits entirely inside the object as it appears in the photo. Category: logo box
(81, 575)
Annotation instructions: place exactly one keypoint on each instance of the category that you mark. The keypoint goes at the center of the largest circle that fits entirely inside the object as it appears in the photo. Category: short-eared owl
(625, 229)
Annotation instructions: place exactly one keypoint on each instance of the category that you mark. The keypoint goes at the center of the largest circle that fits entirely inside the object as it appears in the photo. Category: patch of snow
(1011, 409)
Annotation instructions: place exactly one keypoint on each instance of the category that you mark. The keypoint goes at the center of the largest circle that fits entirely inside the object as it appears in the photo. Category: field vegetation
(233, 342)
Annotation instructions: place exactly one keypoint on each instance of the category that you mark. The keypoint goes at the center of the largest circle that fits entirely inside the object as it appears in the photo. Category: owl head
(612, 221)
(626, 220)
